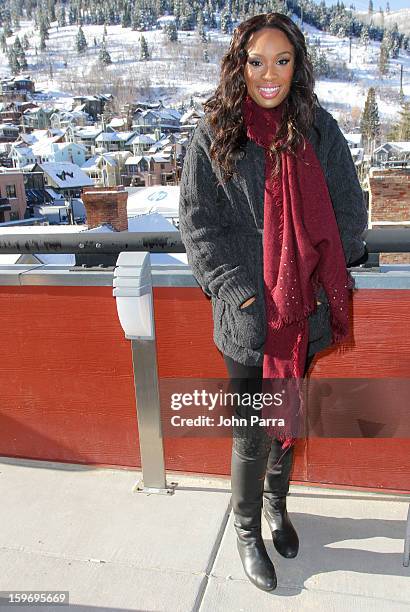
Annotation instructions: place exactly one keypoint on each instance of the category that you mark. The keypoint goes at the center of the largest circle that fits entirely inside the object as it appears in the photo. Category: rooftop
(89, 532)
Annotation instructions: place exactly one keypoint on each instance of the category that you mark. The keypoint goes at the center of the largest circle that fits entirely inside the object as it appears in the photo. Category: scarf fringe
(287, 319)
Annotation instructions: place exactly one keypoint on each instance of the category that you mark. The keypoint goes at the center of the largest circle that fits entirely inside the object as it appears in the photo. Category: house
(65, 178)
(102, 169)
(10, 112)
(8, 133)
(92, 105)
(16, 88)
(13, 201)
(47, 151)
(22, 156)
(37, 118)
(164, 120)
(64, 119)
(140, 143)
(150, 170)
(391, 151)
(136, 168)
(87, 136)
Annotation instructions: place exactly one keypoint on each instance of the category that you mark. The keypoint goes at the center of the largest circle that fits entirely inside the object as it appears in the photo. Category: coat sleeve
(214, 262)
(347, 196)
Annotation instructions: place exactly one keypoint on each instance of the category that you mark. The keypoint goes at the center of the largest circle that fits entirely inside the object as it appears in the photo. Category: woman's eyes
(252, 62)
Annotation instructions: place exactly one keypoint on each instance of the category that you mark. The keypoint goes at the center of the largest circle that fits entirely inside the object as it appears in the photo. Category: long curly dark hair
(224, 107)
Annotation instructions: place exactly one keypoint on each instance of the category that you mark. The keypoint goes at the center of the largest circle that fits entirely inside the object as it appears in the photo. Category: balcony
(74, 421)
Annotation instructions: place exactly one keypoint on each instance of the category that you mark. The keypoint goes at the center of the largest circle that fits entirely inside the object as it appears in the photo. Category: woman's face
(270, 64)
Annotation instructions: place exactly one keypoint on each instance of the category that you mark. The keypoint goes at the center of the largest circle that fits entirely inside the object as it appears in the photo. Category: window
(14, 216)
(10, 191)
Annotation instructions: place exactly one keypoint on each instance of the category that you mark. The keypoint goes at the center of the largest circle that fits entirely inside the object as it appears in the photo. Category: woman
(271, 215)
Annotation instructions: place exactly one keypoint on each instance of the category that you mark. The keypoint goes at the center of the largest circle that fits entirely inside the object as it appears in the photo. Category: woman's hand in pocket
(248, 302)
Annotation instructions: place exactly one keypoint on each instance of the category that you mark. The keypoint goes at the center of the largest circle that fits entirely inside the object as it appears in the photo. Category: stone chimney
(106, 205)
(389, 204)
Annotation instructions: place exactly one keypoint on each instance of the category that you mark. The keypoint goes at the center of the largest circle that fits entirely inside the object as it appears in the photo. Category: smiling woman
(271, 253)
(270, 67)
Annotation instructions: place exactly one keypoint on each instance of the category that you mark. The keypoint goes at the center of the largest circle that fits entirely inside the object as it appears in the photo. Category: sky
(363, 5)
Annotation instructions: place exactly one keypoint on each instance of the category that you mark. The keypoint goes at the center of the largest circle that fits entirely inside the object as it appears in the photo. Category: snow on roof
(54, 194)
(117, 122)
(23, 151)
(156, 198)
(354, 138)
(107, 137)
(160, 158)
(87, 131)
(91, 163)
(9, 126)
(66, 174)
(136, 160)
(125, 135)
(156, 222)
(142, 138)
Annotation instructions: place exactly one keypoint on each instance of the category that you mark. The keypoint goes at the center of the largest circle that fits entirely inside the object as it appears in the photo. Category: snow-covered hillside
(177, 71)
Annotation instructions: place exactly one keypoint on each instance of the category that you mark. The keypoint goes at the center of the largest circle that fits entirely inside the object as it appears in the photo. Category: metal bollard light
(132, 288)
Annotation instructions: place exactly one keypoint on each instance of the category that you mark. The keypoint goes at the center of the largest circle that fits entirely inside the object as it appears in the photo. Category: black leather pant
(250, 441)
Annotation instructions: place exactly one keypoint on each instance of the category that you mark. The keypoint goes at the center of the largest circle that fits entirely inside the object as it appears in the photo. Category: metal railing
(104, 249)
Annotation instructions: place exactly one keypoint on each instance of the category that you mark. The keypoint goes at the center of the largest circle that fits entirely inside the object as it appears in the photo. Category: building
(92, 105)
(65, 178)
(392, 151)
(389, 204)
(8, 133)
(13, 203)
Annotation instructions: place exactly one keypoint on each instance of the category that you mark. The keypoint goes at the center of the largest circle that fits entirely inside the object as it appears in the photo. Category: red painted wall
(68, 388)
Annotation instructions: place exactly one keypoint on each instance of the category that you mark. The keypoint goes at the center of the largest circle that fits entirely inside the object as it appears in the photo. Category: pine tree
(81, 42)
(3, 42)
(7, 26)
(126, 16)
(42, 43)
(395, 41)
(13, 61)
(226, 22)
(200, 28)
(103, 56)
(364, 36)
(383, 60)
(72, 15)
(43, 27)
(370, 122)
(171, 32)
(61, 16)
(26, 42)
(51, 10)
(144, 55)
(136, 17)
(20, 54)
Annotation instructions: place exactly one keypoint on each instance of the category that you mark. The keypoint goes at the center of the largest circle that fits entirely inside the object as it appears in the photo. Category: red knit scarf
(302, 250)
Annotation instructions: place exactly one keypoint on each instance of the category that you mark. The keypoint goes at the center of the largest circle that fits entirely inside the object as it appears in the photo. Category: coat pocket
(246, 326)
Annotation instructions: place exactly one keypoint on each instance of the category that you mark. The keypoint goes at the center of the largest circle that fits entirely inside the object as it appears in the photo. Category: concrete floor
(79, 529)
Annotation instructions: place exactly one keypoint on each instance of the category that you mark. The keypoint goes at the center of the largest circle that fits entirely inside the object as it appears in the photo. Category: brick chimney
(106, 205)
(389, 204)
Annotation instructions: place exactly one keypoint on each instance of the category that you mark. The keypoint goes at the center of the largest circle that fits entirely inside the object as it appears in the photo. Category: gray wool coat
(221, 227)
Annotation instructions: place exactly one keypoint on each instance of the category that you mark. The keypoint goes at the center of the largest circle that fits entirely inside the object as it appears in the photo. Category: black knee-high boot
(247, 480)
(276, 488)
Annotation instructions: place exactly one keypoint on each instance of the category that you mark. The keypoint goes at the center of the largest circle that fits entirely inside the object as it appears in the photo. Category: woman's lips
(269, 92)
